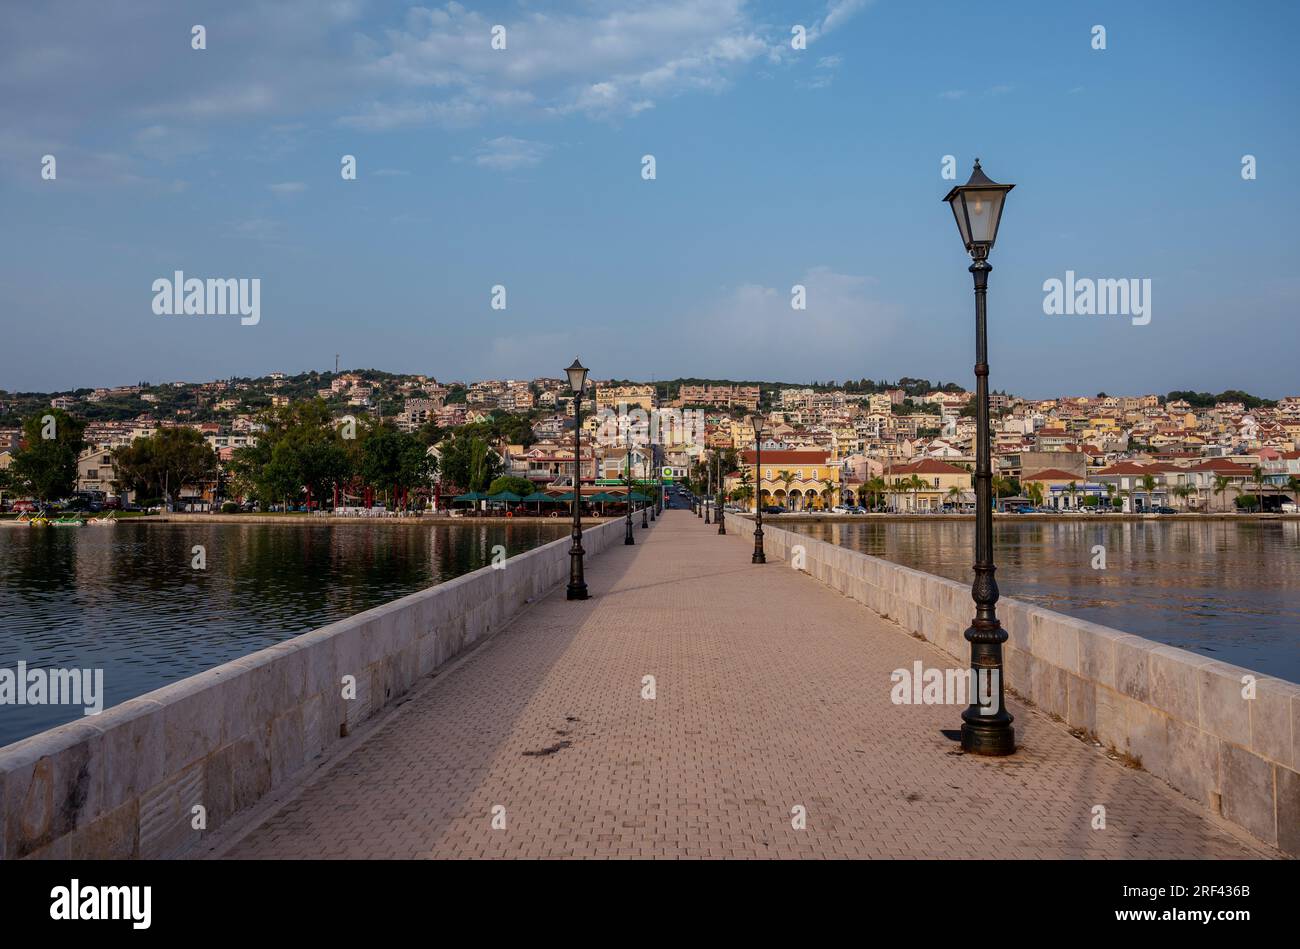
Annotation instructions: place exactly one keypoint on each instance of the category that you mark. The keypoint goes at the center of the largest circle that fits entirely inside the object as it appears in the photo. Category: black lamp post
(722, 524)
(759, 556)
(577, 589)
(627, 534)
(644, 523)
(708, 494)
(977, 207)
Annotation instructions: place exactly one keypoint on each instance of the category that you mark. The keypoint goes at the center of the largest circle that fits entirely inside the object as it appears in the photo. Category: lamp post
(577, 589)
(986, 729)
(627, 533)
(644, 523)
(698, 500)
(708, 495)
(759, 556)
(722, 524)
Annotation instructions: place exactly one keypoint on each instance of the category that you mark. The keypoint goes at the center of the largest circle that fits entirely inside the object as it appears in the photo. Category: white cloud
(287, 188)
(506, 153)
(842, 318)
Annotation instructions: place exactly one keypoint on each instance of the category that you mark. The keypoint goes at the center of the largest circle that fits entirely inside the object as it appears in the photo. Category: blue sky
(522, 167)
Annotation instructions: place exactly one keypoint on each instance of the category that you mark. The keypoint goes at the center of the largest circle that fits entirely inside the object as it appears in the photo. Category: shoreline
(184, 517)
(806, 518)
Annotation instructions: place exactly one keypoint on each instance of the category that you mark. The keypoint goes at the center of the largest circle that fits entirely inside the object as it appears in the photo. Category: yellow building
(796, 480)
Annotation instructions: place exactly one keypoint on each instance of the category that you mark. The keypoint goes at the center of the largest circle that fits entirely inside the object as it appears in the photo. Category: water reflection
(1229, 590)
(127, 600)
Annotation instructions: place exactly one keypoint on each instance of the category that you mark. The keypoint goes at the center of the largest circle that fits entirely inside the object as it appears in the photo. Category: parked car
(24, 507)
(773, 509)
(841, 509)
(1165, 510)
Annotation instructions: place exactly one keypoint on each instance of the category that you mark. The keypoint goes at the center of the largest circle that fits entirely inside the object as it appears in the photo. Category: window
(936, 481)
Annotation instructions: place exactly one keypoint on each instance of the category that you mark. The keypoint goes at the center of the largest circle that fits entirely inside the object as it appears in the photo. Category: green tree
(46, 462)
(163, 463)
(390, 459)
(468, 462)
(302, 447)
(520, 486)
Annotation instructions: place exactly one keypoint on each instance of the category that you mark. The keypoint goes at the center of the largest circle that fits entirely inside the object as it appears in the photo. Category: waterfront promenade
(771, 693)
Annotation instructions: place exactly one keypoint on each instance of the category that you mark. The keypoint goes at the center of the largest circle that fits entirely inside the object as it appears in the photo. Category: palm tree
(787, 478)
(1110, 496)
(876, 489)
(1183, 492)
(1035, 493)
(1257, 475)
(954, 496)
(1221, 483)
(915, 484)
(1148, 485)
(1074, 490)
(1293, 485)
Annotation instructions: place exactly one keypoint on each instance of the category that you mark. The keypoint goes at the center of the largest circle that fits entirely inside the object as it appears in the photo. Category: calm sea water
(1228, 590)
(126, 599)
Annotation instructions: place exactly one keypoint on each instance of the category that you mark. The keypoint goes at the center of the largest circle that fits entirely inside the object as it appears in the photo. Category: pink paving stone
(772, 690)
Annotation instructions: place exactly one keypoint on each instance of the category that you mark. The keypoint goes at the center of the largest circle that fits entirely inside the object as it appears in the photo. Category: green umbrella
(604, 497)
(472, 496)
(540, 497)
(504, 496)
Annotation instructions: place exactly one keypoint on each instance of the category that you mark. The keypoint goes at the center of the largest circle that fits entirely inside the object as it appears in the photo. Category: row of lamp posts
(577, 588)
(986, 730)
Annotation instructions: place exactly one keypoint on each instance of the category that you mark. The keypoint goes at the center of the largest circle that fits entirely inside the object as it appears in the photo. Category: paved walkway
(771, 691)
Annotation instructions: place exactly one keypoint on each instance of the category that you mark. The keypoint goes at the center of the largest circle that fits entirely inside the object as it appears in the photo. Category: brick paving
(772, 691)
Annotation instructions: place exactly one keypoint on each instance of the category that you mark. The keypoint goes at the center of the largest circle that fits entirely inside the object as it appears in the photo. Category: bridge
(696, 705)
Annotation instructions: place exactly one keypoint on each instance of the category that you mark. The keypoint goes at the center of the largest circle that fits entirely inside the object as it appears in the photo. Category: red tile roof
(927, 466)
(788, 458)
(1051, 474)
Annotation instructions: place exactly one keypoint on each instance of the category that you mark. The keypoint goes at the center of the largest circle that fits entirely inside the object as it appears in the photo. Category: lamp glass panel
(956, 203)
(983, 207)
(577, 377)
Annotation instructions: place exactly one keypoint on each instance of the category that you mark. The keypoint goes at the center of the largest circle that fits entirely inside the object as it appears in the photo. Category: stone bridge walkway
(771, 692)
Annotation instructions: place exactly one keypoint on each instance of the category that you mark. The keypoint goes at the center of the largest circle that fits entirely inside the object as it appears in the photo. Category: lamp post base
(577, 588)
(759, 555)
(994, 739)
